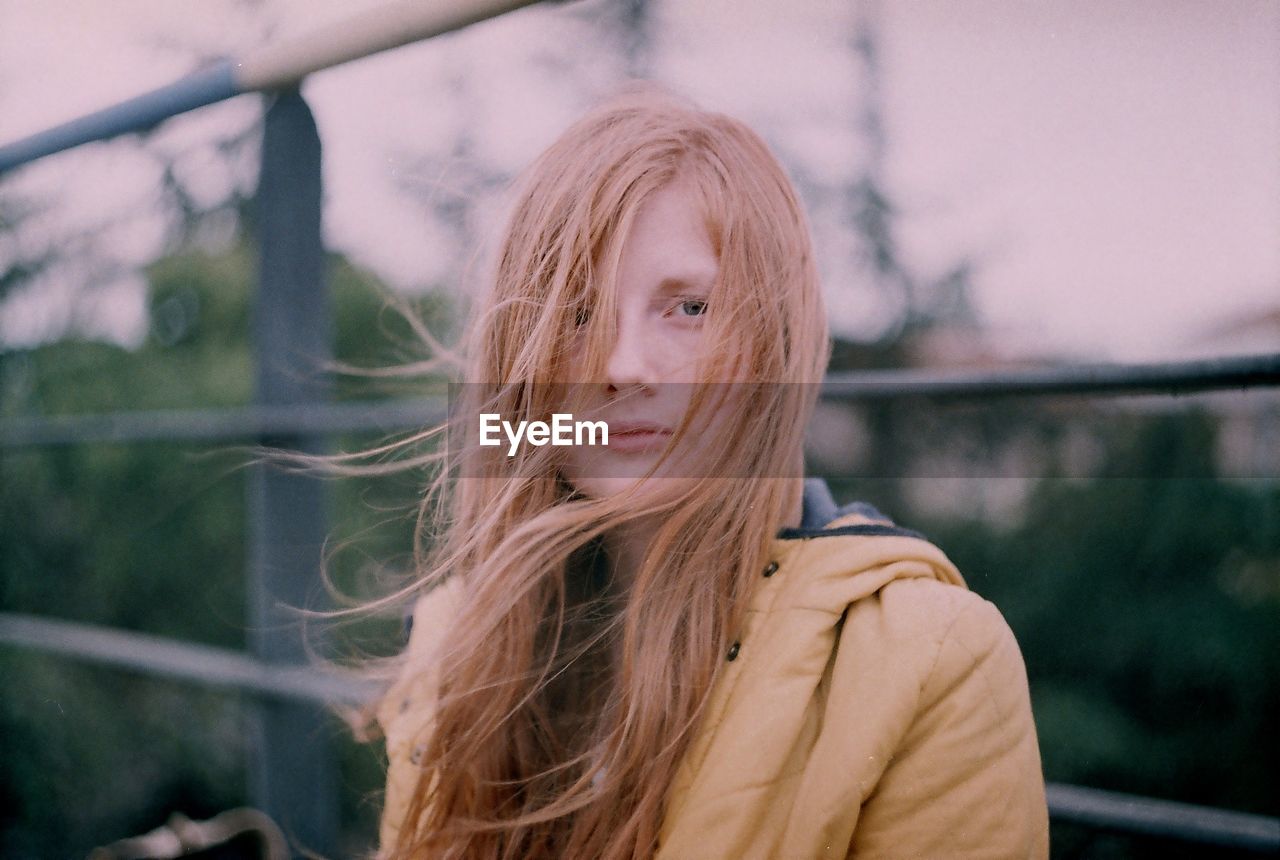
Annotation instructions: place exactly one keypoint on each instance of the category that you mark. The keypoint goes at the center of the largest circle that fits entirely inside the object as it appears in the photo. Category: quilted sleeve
(406, 711)
(966, 780)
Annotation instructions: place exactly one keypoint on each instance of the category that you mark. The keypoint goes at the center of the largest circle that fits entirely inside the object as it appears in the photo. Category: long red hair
(565, 707)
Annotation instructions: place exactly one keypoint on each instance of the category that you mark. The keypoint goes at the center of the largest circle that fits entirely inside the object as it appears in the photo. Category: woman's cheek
(677, 349)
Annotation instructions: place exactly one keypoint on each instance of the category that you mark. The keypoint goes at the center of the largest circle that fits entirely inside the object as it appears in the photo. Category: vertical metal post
(292, 766)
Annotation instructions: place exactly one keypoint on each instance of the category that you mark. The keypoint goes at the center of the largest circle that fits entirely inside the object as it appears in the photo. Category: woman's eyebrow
(689, 281)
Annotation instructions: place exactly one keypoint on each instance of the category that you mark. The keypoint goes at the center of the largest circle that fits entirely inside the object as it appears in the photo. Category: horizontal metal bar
(270, 67)
(383, 27)
(246, 422)
(1110, 810)
(217, 667)
(1183, 377)
(386, 416)
(182, 661)
(205, 87)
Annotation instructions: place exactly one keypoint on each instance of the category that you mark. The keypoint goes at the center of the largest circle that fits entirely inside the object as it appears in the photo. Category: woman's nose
(629, 359)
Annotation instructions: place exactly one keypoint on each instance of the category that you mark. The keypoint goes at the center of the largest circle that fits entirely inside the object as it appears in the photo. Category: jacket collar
(820, 517)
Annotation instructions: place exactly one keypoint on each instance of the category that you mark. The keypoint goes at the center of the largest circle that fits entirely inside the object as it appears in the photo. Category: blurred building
(1249, 432)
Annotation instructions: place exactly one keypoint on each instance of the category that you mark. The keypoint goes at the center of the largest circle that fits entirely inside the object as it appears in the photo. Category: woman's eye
(582, 316)
(693, 307)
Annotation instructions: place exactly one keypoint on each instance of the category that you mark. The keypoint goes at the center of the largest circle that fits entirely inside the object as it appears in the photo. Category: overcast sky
(1114, 166)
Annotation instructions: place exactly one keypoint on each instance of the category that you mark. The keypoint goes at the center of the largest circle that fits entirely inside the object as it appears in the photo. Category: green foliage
(1148, 610)
(151, 537)
(94, 755)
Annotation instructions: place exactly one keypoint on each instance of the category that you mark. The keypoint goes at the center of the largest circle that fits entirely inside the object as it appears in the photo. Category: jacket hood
(846, 554)
(782, 684)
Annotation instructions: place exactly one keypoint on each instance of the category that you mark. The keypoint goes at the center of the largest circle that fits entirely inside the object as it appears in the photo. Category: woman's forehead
(670, 232)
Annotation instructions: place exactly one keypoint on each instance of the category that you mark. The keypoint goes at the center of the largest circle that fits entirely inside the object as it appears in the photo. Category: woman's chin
(641, 489)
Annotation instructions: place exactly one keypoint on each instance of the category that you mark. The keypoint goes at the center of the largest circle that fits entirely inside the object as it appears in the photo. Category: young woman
(672, 645)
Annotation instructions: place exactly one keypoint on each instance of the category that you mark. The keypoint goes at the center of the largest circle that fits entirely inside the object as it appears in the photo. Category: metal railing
(1172, 378)
(290, 414)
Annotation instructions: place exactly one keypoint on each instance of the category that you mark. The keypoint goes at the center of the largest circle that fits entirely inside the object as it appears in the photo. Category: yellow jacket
(875, 707)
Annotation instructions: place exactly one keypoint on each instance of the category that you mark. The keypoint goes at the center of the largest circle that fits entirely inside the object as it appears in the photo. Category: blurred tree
(916, 307)
(1147, 604)
(149, 537)
(189, 188)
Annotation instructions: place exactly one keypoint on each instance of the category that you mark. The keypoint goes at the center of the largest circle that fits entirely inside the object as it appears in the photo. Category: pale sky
(1114, 166)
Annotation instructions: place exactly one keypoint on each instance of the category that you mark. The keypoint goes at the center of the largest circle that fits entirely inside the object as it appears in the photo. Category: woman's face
(665, 275)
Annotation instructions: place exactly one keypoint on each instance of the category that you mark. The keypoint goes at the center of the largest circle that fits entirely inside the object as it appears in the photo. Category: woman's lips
(637, 441)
